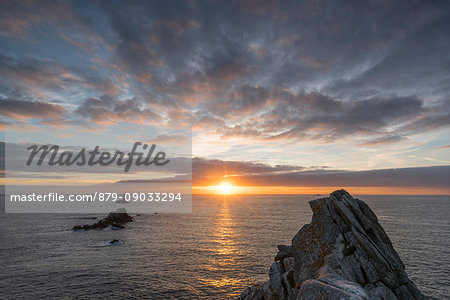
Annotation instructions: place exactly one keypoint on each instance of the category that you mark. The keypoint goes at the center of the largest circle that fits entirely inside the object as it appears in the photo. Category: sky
(298, 94)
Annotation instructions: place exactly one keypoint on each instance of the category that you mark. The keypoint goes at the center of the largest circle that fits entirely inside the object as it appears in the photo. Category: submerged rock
(114, 219)
(344, 253)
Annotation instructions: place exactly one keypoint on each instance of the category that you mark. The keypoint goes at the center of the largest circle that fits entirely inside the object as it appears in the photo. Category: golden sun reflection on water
(225, 239)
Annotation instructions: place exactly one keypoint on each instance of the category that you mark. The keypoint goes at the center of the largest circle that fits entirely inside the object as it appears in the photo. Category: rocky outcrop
(115, 219)
(344, 253)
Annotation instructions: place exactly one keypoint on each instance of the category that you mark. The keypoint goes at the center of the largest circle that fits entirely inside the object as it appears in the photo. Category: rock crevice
(344, 253)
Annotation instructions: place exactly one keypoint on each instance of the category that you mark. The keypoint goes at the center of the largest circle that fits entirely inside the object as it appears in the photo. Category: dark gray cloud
(437, 177)
(40, 74)
(387, 139)
(212, 168)
(257, 174)
(319, 117)
(24, 110)
(107, 110)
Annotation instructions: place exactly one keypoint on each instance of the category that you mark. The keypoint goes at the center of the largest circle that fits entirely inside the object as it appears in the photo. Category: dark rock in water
(344, 253)
(115, 219)
(114, 241)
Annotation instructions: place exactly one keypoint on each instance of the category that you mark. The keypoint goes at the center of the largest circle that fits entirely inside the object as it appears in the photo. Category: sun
(225, 188)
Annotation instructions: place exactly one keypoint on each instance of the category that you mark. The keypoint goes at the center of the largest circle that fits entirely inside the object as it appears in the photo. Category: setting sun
(225, 188)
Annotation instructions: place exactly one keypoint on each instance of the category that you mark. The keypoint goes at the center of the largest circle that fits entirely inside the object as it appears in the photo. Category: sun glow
(225, 188)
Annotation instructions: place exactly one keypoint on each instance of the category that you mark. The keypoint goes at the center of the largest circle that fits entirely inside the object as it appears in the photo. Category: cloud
(180, 25)
(290, 72)
(166, 139)
(106, 110)
(279, 114)
(44, 76)
(442, 147)
(17, 19)
(384, 140)
(436, 176)
(25, 110)
(207, 172)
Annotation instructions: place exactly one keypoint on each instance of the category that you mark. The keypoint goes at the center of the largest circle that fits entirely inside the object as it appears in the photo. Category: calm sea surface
(214, 253)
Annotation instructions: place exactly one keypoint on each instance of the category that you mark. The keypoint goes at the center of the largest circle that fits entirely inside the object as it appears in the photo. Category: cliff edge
(344, 253)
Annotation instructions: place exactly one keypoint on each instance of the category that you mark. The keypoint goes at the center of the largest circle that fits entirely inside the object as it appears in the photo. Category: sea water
(227, 243)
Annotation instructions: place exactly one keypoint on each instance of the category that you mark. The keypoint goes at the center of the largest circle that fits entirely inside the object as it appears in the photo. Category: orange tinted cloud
(24, 110)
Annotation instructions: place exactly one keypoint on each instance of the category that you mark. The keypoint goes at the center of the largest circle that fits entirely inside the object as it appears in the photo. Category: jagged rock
(115, 219)
(288, 264)
(331, 287)
(275, 282)
(257, 291)
(289, 284)
(379, 291)
(344, 253)
(283, 252)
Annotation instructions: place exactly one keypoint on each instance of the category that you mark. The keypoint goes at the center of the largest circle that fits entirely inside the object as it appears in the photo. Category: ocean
(226, 244)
